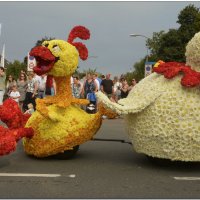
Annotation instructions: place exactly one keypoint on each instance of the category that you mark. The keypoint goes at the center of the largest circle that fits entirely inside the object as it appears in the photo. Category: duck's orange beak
(45, 59)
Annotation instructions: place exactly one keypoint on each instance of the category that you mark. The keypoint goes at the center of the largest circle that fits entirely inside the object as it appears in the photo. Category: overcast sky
(111, 48)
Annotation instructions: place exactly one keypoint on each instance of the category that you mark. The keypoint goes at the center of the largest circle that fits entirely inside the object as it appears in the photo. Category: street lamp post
(148, 65)
(139, 35)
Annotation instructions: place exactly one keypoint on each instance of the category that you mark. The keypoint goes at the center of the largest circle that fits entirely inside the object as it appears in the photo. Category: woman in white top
(117, 88)
(14, 94)
(31, 92)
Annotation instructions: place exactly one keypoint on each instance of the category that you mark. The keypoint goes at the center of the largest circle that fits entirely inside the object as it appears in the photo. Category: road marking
(72, 175)
(30, 175)
(187, 178)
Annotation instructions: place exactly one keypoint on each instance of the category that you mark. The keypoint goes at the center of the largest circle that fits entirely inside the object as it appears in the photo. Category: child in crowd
(14, 94)
(30, 109)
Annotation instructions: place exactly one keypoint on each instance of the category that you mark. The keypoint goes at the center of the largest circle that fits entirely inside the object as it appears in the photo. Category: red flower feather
(82, 33)
(15, 120)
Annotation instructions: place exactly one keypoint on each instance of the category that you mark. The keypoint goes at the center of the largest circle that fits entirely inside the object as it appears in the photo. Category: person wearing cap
(2, 84)
(107, 86)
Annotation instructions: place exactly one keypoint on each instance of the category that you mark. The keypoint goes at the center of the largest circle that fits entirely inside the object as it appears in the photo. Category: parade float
(162, 111)
(59, 124)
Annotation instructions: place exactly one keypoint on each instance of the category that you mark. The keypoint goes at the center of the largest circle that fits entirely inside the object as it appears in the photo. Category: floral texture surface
(162, 111)
(59, 123)
(72, 127)
(15, 121)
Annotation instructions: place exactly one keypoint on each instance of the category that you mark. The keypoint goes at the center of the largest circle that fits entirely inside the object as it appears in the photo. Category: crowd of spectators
(25, 89)
(30, 86)
(115, 89)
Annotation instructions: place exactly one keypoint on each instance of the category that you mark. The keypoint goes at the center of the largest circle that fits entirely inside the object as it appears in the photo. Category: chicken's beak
(45, 59)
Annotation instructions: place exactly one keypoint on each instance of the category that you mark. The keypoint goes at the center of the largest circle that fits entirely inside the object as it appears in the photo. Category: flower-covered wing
(138, 99)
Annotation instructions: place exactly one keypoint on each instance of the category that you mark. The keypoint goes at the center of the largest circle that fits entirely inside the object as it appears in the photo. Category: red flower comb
(82, 33)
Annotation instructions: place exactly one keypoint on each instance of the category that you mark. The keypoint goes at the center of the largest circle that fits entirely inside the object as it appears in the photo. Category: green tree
(170, 46)
(189, 20)
(138, 71)
(154, 43)
(15, 68)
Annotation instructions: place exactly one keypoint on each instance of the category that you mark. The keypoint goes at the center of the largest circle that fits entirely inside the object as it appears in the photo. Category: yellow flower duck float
(59, 124)
(162, 111)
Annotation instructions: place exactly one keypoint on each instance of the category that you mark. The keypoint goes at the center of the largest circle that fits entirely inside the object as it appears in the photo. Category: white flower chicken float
(163, 110)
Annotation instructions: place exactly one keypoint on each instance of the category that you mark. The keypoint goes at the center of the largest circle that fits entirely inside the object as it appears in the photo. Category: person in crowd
(36, 77)
(117, 88)
(14, 94)
(89, 89)
(22, 71)
(95, 78)
(82, 81)
(76, 87)
(124, 88)
(133, 83)
(107, 86)
(42, 86)
(99, 79)
(30, 109)
(102, 77)
(2, 84)
(10, 81)
(31, 91)
(22, 87)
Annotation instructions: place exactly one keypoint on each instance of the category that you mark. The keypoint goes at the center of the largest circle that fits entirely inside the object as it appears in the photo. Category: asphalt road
(100, 169)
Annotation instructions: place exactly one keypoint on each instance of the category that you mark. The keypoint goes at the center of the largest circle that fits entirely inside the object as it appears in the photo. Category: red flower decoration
(190, 78)
(15, 120)
(7, 141)
(82, 33)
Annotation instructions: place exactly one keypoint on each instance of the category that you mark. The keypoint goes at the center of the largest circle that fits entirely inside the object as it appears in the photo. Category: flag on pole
(31, 62)
(3, 57)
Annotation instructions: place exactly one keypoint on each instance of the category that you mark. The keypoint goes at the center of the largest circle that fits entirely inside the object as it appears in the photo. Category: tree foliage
(84, 72)
(170, 46)
(15, 68)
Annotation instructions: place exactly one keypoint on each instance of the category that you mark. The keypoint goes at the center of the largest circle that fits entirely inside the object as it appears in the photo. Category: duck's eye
(56, 48)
